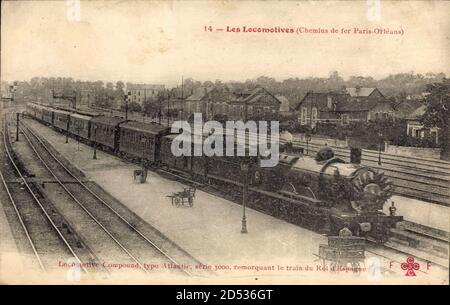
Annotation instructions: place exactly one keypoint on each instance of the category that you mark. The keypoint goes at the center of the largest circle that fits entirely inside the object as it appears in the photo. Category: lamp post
(379, 148)
(144, 170)
(308, 139)
(95, 143)
(143, 140)
(244, 169)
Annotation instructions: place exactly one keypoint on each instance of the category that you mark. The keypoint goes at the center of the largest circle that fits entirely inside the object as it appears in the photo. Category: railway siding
(411, 179)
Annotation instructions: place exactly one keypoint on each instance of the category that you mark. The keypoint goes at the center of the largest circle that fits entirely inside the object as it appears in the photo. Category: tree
(133, 107)
(120, 86)
(150, 107)
(437, 113)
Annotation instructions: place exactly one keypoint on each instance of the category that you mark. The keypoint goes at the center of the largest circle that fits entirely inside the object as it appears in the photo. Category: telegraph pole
(182, 86)
(160, 110)
(168, 108)
(17, 129)
(127, 96)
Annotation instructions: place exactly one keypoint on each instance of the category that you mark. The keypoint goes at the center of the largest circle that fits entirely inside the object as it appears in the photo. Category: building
(144, 92)
(219, 103)
(210, 101)
(342, 108)
(285, 107)
(64, 97)
(256, 102)
(416, 129)
(364, 92)
(199, 101)
(85, 99)
(406, 107)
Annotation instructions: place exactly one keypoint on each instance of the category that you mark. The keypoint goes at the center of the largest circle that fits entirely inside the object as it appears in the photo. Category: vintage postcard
(225, 142)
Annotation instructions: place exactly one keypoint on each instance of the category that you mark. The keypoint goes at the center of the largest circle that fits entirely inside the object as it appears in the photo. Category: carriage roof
(47, 108)
(80, 116)
(38, 106)
(152, 128)
(60, 111)
(107, 120)
(87, 113)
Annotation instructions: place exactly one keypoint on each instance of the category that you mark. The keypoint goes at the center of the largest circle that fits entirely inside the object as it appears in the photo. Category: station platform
(428, 214)
(11, 264)
(209, 231)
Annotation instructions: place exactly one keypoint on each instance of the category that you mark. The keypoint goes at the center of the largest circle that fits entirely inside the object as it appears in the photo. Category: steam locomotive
(322, 193)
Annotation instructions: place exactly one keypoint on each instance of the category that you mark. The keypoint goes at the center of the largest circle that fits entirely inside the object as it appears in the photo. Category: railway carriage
(323, 193)
(139, 140)
(80, 125)
(190, 165)
(167, 157)
(35, 110)
(61, 119)
(31, 109)
(47, 115)
(105, 131)
(229, 167)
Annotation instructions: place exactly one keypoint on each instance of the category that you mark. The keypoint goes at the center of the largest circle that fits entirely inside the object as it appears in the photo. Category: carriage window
(344, 119)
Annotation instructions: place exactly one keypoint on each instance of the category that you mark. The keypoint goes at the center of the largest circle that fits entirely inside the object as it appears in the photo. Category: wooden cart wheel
(191, 201)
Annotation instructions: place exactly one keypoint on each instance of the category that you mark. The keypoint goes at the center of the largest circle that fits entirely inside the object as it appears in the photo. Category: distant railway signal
(127, 98)
(13, 87)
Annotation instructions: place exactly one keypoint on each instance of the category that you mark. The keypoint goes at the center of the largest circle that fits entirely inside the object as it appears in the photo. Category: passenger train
(324, 193)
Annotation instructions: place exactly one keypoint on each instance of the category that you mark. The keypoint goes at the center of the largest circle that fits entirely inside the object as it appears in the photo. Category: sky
(159, 42)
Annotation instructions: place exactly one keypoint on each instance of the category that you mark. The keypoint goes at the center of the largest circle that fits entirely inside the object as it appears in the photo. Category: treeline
(43, 89)
(396, 86)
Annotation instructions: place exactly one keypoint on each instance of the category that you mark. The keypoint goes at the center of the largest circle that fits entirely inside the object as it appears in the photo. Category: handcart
(186, 196)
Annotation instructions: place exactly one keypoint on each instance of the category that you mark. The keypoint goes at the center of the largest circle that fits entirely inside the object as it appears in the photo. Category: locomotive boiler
(347, 186)
(354, 194)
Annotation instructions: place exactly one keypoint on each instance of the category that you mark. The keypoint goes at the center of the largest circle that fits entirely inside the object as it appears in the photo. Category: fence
(433, 153)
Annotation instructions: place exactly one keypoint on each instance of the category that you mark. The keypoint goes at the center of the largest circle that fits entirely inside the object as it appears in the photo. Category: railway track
(127, 237)
(393, 254)
(416, 181)
(418, 178)
(46, 234)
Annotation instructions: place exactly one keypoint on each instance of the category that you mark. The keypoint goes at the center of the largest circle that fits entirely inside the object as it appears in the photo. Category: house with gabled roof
(213, 102)
(285, 106)
(342, 108)
(252, 102)
(359, 91)
(415, 127)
